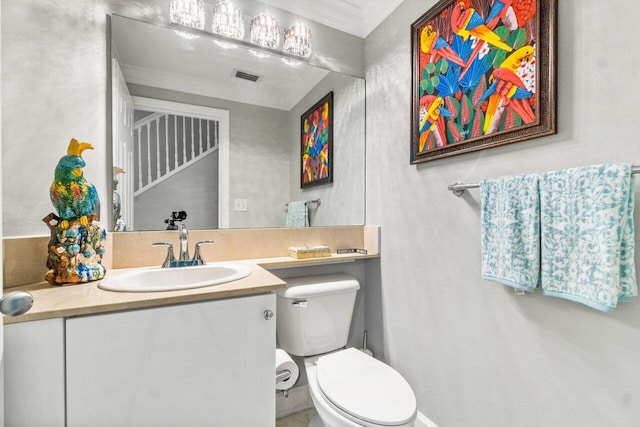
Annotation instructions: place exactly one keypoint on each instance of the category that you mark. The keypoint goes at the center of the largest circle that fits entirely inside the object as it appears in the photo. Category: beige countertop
(86, 298)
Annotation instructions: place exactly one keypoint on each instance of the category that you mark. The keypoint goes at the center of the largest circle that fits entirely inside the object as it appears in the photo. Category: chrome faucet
(183, 259)
(184, 244)
(197, 256)
(169, 259)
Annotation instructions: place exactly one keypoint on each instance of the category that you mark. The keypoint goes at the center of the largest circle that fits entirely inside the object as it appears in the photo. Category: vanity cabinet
(200, 364)
(34, 374)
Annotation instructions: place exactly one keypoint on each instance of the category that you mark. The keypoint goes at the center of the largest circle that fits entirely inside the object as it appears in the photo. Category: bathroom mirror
(219, 128)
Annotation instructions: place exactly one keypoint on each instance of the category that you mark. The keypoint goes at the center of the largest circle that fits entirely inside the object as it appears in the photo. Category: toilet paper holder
(283, 375)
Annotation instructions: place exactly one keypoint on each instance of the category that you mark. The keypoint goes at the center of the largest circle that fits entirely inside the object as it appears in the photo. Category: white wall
(476, 354)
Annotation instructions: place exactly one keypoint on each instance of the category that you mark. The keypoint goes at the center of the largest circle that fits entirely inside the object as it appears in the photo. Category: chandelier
(188, 13)
(265, 31)
(227, 22)
(297, 40)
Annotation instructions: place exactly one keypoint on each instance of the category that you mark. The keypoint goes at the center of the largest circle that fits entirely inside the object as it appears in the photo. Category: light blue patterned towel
(587, 235)
(510, 228)
(297, 214)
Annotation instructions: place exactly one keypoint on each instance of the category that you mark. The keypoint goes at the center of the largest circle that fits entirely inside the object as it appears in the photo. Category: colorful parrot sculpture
(431, 43)
(433, 121)
(71, 194)
(467, 22)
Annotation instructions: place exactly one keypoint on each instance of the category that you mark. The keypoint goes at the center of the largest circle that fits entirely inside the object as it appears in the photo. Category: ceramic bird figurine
(71, 194)
(77, 240)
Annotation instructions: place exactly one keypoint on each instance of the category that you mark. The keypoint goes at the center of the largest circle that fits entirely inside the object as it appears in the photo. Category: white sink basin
(172, 279)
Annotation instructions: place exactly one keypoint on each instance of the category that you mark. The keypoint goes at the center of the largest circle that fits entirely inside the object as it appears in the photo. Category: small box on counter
(352, 251)
(317, 251)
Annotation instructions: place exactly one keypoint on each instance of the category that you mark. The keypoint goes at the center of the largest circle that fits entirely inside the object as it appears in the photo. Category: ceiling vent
(245, 75)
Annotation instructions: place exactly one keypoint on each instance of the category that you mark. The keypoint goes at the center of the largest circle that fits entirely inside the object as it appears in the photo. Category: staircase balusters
(166, 143)
(148, 131)
(139, 133)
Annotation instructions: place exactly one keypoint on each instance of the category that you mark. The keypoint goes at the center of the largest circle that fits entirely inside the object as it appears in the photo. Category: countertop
(86, 298)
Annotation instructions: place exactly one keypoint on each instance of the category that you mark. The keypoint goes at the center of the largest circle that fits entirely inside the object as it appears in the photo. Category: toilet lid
(365, 388)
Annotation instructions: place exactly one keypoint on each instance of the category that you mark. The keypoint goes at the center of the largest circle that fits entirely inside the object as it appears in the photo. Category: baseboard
(422, 421)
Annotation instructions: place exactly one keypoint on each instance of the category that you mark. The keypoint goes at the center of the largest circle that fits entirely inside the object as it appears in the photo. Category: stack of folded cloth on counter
(316, 251)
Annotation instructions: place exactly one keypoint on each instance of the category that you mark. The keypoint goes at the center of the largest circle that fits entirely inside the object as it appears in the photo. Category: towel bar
(308, 201)
(458, 188)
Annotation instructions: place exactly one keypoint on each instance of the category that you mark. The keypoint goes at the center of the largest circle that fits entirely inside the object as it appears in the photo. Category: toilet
(348, 387)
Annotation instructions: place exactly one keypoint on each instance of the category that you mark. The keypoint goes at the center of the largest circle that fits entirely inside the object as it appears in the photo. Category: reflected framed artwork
(316, 143)
(483, 75)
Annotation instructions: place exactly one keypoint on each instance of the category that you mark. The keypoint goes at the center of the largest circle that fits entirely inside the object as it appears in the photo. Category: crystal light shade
(188, 13)
(297, 40)
(265, 31)
(227, 20)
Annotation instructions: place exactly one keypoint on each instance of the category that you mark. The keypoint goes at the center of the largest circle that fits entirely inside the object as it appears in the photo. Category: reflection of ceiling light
(291, 62)
(259, 54)
(227, 22)
(297, 40)
(265, 31)
(188, 13)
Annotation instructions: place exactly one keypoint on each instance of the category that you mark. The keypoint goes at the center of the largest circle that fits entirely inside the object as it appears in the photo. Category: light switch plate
(240, 205)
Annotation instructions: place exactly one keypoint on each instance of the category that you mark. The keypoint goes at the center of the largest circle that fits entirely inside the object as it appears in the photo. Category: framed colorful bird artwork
(483, 75)
(316, 143)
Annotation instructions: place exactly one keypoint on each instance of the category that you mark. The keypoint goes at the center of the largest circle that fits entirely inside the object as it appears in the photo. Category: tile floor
(299, 419)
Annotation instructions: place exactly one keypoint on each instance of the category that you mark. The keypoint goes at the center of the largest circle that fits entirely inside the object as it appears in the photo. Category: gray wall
(54, 68)
(342, 202)
(54, 86)
(258, 157)
(182, 192)
(476, 354)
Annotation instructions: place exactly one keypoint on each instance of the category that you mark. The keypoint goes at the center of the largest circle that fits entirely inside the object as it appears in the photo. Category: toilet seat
(364, 389)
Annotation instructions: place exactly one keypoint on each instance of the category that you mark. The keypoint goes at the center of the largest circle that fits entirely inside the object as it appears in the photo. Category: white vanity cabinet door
(34, 374)
(199, 364)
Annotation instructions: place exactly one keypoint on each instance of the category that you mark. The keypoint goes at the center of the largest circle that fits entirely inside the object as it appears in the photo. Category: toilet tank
(314, 313)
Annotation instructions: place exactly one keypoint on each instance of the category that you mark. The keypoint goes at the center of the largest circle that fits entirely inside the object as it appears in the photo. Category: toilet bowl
(348, 387)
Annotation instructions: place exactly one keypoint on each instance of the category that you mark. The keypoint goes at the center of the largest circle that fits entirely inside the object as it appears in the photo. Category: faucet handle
(170, 258)
(197, 256)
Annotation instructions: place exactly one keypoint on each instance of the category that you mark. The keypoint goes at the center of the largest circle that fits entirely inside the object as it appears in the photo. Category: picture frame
(482, 76)
(316, 143)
